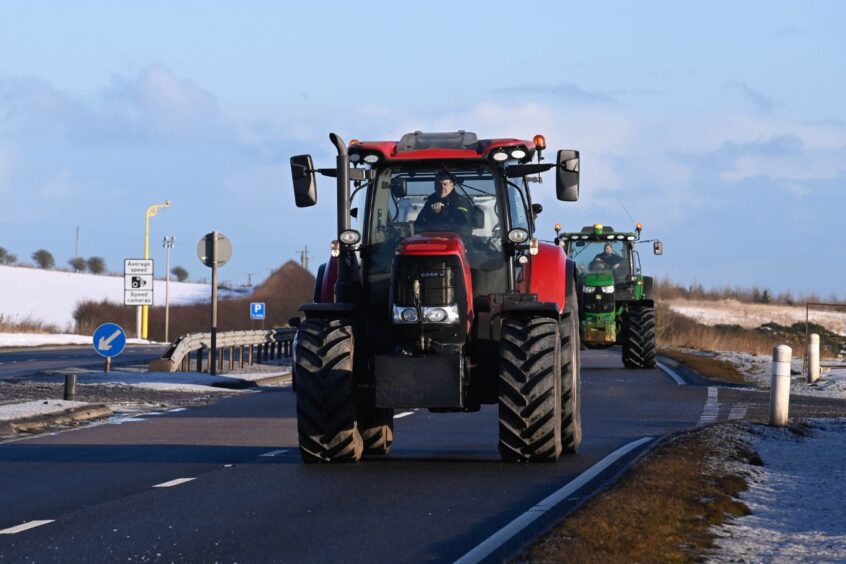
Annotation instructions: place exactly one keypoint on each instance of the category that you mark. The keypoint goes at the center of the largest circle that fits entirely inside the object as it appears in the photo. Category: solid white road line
(506, 533)
(177, 410)
(274, 452)
(711, 409)
(672, 374)
(25, 527)
(403, 414)
(175, 482)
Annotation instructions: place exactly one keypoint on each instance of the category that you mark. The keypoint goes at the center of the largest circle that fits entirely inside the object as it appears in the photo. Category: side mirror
(567, 175)
(305, 186)
(398, 188)
(658, 248)
(537, 209)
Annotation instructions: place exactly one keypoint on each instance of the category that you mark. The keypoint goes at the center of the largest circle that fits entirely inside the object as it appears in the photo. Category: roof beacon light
(354, 142)
(639, 227)
(557, 228)
(597, 229)
(539, 141)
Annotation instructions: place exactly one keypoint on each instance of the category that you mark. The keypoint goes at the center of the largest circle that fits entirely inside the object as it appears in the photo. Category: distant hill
(283, 292)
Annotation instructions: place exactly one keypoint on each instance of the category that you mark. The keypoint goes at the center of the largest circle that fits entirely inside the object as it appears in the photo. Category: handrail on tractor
(263, 344)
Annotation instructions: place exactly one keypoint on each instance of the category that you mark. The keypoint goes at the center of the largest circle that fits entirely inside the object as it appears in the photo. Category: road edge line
(672, 374)
(506, 533)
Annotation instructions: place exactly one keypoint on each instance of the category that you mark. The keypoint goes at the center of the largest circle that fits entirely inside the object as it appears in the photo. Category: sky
(718, 125)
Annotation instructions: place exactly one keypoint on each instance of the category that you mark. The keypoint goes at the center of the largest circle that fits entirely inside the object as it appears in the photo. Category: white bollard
(780, 385)
(813, 358)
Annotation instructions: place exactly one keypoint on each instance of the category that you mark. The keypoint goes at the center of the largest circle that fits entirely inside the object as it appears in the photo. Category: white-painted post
(813, 358)
(780, 385)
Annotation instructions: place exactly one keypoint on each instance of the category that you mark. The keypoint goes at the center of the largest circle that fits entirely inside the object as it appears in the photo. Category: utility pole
(304, 258)
(168, 243)
(250, 279)
(76, 253)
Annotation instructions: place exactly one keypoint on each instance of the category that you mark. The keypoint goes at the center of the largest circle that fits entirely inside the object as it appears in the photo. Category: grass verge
(25, 325)
(711, 368)
(661, 511)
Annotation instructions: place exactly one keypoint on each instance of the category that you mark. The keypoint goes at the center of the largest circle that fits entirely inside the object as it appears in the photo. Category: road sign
(257, 310)
(138, 282)
(109, 340)
(204, 249)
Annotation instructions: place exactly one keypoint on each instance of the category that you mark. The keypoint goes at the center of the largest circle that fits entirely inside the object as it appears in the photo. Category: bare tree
(6, 257)
(78, 264)
(96, 265)
(44, 259)
(180, 273)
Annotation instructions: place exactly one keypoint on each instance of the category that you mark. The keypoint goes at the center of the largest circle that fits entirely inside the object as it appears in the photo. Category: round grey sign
(205, 249)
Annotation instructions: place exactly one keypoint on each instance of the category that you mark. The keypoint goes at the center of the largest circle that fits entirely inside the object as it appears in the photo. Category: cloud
(568, 91)
(762, 104)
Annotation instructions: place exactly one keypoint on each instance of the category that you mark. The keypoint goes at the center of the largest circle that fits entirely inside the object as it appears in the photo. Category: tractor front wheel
(639, 334)
(571, 382)
(325, 404)
(530, 390)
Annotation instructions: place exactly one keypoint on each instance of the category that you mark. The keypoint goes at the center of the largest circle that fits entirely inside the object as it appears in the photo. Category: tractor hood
(433, 243)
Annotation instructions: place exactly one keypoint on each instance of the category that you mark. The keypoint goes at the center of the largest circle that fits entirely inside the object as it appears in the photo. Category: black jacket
(454, 216)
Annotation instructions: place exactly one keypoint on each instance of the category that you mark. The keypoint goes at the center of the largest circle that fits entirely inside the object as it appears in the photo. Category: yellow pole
(151, 212)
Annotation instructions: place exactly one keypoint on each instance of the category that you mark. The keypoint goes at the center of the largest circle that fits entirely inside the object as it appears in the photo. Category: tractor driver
(608, 258)
(445, 209)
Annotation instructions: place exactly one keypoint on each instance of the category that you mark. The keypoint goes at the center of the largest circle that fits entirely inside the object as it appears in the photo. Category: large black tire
(376, 426)
(530, 391)
(639, 333)
(571, 380)
(325, 403)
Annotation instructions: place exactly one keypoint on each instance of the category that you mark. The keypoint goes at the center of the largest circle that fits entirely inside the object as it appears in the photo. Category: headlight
(518, 235)
(500, 156)
(431, 314)
(350, 237)
(518, 154)
(607, 289)
(371, 159)
(588, 289)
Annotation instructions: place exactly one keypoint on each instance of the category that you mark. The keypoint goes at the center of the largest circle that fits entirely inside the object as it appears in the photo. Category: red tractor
(436, 301)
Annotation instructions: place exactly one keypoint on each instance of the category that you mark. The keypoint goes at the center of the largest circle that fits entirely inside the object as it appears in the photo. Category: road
(15, 363)
(242, 494)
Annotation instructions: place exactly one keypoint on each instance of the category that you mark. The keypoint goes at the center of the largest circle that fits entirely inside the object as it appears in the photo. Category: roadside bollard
(780, 385)
(813, 358)
(70, 386)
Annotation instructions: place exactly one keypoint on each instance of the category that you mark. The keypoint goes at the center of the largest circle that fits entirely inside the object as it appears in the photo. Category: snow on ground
(33, 408)
(10, 340)
(50, 296)
(750, 316)
(171, 381)
(796, 499)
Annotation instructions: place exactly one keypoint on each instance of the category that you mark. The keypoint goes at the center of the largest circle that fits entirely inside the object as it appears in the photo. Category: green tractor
(615, 298)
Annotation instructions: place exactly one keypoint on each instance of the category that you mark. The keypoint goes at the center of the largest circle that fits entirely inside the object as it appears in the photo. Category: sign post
(109, 340)
(214, 250)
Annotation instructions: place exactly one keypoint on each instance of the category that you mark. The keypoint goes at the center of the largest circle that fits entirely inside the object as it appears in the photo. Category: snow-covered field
(51, 296)
(750, 316)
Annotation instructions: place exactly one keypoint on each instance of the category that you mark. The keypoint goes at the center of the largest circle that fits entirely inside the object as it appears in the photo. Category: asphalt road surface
(225, 483)
(15, 363)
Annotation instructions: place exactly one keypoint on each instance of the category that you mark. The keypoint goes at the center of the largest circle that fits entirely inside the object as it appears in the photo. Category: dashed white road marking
(274, 452)
(737, 412)
(403, 414)
(672, 374)
(176, 410)
(506, 533)
(172, 483)
(711, 409)
(25, 527)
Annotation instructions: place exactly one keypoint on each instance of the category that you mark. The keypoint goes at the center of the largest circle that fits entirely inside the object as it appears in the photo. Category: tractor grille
(437, 277)
(599, 302)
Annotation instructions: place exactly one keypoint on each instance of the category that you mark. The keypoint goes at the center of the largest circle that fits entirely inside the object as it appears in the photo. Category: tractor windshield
(398, 209)
(600, 256)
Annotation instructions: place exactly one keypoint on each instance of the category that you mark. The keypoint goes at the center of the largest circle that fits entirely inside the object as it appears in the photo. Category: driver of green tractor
(445, 209)
(608, 258)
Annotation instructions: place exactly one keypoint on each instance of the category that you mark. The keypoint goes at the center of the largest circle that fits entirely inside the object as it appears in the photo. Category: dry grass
(661, 511)
(711, 368)
(25, 325)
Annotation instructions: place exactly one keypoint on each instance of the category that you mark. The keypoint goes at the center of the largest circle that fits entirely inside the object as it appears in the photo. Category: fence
(252, 347)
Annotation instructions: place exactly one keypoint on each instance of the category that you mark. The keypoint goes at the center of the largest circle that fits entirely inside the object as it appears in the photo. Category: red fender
(548, 275)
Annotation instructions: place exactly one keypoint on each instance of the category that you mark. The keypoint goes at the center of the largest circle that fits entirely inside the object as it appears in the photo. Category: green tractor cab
(615, 298)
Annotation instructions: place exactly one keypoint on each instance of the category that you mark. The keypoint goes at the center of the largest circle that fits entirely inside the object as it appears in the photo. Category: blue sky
(718, 125)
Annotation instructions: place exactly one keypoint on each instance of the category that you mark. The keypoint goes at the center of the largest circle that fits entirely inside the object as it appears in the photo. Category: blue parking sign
(257, 310)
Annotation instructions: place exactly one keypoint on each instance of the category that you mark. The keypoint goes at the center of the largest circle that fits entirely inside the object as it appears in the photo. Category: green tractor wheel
(639, 331)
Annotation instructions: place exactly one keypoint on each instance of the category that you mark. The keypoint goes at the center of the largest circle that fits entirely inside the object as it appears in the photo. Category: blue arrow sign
(109, 340)
(257, 310)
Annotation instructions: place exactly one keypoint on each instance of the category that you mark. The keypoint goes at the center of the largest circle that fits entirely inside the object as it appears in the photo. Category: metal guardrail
(253, 347)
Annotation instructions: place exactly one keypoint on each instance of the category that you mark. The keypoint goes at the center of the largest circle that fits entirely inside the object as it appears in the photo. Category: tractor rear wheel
(639, 334)
(571, 382)
(530, 390)
(325, 404)
(376, 426)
